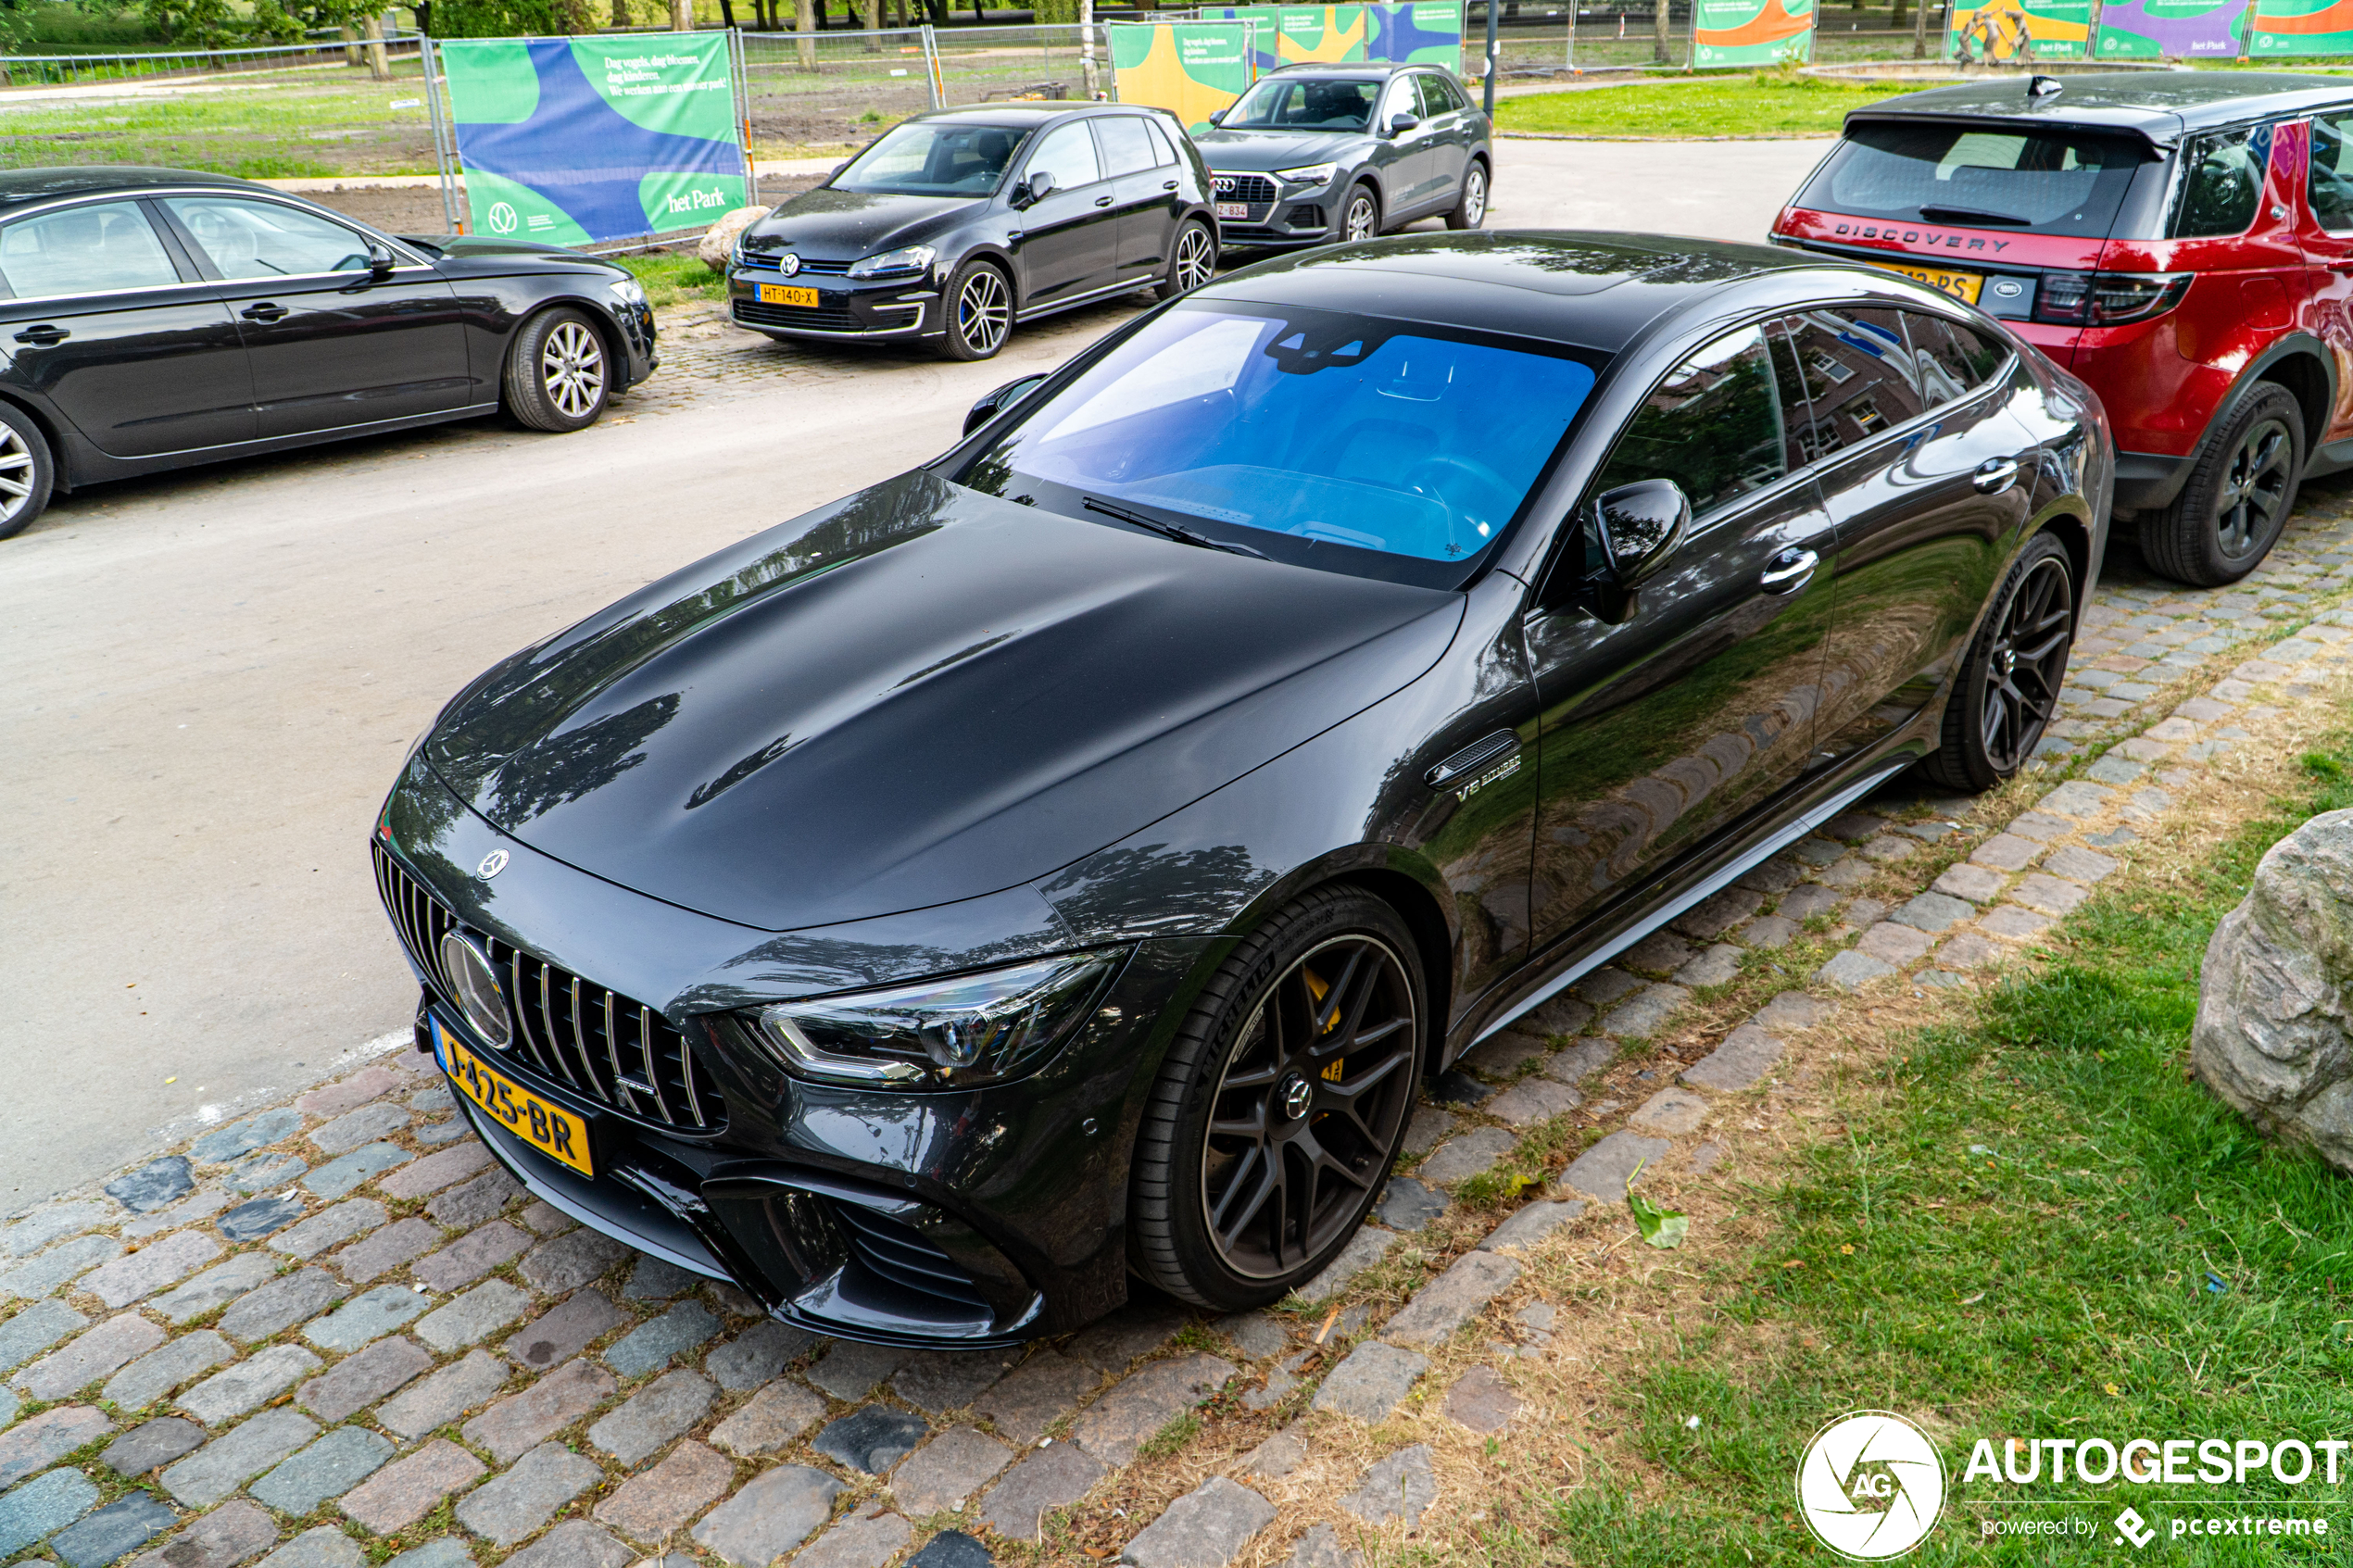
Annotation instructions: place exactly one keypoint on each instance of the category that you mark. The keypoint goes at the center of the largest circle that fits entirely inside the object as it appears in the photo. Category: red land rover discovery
(2182, 241)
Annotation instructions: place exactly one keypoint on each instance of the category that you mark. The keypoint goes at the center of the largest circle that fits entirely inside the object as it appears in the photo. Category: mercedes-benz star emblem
(788, 264)
(1296, 1096)
(492, 864)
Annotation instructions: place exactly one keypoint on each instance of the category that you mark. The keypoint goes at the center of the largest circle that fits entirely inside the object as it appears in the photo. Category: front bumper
(972, 1218)
(1272, 217)
(847, 307)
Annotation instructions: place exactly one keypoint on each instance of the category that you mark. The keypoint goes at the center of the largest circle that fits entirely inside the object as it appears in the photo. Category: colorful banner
(2175, 29)
(1191, 68)
(1416, 31)
(2012, 29)
(576, 139)
(2302, 26)
(1751, 32)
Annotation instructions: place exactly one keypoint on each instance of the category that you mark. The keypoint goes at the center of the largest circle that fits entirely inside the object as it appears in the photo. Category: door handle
(265, 311)
(1103, 201)
(1996, 475)
(1789, 571)
(1168, 185)
(43, 335)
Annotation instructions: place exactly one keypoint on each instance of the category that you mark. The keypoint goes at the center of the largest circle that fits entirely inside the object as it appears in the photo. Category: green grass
(1766, 103)
(669, 278)
(2125, 1257)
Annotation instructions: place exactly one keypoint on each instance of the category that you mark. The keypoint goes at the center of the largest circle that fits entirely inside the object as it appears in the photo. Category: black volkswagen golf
(953, 226)
(1065, 861)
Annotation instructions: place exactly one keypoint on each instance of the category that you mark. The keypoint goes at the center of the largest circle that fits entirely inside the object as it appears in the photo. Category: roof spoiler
(2158, 145)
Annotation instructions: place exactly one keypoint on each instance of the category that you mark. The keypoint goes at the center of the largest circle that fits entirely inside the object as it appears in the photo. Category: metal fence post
(441, 135)
(934, 76)
(739, 74)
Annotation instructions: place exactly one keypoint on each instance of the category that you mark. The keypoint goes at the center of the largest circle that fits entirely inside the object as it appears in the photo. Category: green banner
(1751, 32)
(2302, 26)
(1192, 69)
(578, 139)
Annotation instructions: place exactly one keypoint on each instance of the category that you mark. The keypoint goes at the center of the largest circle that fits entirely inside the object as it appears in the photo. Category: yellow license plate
(785, 294)
(554, 1131)
(1960, 285)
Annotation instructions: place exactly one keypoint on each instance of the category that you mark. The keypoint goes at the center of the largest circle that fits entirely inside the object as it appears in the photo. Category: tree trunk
(873, 18)
(1895, 18)
(1661, 20)
(620, 13)
(1920, 31)
(682, 16)
(350, 46)
(804, 26)
(379, 63)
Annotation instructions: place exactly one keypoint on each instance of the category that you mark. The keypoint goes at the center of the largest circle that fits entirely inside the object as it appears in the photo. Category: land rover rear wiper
(1175, 531)
(1938, 212)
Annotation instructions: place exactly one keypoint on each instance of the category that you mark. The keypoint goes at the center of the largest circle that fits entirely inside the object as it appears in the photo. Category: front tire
(2009, 685)
(1192, 260)
(979, 303)
(26, 472)
(1360, 216)
(1282, 1104)
(2236, 500)
(559, 377)
(1470, 211)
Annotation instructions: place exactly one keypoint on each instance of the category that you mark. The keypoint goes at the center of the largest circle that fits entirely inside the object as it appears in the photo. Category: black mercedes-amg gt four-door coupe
(1066, 861)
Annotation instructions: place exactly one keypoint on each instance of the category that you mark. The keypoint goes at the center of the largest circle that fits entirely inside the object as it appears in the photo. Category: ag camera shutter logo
(1871, 1485)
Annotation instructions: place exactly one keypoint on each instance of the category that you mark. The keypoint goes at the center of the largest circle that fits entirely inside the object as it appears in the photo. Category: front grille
(1252, 188)
(901, 1254)
(598, 1043)
(752, 313)
(767, 262)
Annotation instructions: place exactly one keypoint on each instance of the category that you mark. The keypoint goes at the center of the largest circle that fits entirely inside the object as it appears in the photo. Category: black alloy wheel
(2237, 498)
(979, 303)
(1193, 261)
(1281, 1105)
(1360, 219)
(2009, 687)
(26, 470)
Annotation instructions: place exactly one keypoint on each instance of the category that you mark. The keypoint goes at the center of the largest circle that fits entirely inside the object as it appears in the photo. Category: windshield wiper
(1175, 531)
(1937, 211)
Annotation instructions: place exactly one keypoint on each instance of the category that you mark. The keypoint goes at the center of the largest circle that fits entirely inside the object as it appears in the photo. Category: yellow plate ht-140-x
(1964, 286)
(787, 294)
(554, 1131)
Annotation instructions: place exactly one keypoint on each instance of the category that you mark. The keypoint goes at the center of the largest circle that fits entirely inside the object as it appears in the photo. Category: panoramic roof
(2156, 102)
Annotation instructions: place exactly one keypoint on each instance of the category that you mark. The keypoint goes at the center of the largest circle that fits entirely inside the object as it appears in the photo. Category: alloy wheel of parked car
(980, 312)
(1193, 261)
(556, 372)
(25, 471)
(2236, 500)
(1281, 1105)
(1471, 211)
(1360, 219)
(2009, 687)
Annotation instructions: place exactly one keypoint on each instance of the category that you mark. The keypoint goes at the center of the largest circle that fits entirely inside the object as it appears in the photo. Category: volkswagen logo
(788, 264)
(492, 864)
(476, 984)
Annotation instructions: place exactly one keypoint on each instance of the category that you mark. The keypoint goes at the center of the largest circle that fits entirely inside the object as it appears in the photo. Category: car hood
(917, 694)
(846, 225)
(1248, 150)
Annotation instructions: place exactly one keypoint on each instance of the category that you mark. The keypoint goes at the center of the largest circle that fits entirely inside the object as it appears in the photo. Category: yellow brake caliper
(1318, 991)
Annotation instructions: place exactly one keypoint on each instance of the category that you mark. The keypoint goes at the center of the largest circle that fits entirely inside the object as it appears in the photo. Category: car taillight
(2103, 299)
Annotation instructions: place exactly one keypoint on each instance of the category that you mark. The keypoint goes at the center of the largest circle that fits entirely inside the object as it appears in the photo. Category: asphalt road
(212, 677)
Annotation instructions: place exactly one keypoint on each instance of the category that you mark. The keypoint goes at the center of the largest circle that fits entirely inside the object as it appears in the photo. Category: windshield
(2051, 182)
(1296, 104)
(1383, 448)
(933, 158)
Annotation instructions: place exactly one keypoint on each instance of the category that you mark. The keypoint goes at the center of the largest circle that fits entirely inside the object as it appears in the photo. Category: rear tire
(2009, 684)
(1280, 1107)
(979, 306)
(2236, 500)
(559, 375)
(1470, 211)
(1192, 260)
(26, 472)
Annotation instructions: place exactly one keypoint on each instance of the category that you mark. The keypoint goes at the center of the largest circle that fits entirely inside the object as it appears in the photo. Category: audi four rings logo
(1221, 183)
(492, 864)
(788, 264)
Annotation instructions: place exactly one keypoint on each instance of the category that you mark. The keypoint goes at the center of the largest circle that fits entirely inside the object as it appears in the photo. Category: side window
(92, 249)
(1860, 378)
(2220, 183)
(1399, 99)
(2331, 180)
(1433, 97)
(1953, 358)
(246, 238)
(1126, 144)
(1448, 90)
(1713, 426)
(1068, 154)
(1163, 154)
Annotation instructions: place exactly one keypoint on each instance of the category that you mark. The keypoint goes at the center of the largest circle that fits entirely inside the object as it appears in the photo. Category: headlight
(957, 1033)
(628, 291)
(913, 259)
(1313, 174)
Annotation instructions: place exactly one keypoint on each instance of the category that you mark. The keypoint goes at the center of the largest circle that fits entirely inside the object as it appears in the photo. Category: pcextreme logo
(1871, 1485)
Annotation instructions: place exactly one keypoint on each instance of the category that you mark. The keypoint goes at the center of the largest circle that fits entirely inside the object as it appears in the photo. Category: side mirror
(999, 401)
(1403, 120)
(1635, 528)
(1037, 188)
(379, 261)
(1217, 117)
(834, 173)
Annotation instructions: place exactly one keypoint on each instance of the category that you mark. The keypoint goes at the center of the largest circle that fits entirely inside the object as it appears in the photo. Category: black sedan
(157, 318)
(953, 226)
(1066, 860)
(1318, 153)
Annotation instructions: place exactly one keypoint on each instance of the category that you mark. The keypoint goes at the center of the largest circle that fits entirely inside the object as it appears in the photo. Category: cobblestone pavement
(333, 1332)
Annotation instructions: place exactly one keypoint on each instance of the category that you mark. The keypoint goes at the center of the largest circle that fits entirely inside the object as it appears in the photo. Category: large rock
(718, 240)
(2274, 1033)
